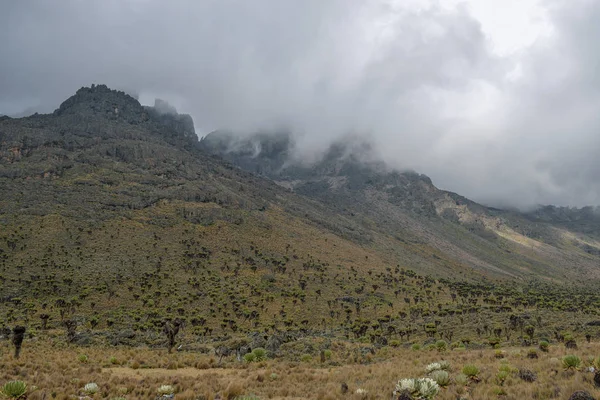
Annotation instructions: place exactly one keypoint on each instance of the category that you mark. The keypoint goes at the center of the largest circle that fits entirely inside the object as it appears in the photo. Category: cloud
(423, 81)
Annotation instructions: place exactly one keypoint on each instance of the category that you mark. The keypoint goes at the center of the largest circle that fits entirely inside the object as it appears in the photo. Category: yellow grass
(136, 373)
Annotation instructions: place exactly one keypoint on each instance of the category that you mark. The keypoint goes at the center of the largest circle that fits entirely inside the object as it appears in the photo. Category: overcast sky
(496, 100)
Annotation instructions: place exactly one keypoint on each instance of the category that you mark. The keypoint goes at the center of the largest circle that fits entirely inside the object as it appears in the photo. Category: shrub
(113, 360)
(260, 354)
(422, 388)
(544, 345)
(249, 357)
(83, 358)
(14, 389)
(327, 354)
(499, 354)
(470, 371)
(90, 388)
(442, 378)
(165, 390)
(441, 345)
(571, 362)
(433, 367)
(306, 358)
(457, 345)
(437, 366)
(416, 347)
(501, 377)
(461, 379)
(430, 347)
(532, 353)
(395, 343)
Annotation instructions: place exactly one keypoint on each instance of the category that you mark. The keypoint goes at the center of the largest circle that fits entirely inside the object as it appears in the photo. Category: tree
(171, 330)
(17, 339)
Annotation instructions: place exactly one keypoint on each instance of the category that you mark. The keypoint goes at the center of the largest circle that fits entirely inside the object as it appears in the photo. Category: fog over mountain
(487, 109)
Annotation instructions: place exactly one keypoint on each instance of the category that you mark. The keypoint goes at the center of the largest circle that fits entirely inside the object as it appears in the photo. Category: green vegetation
(571, 362)
(470, 371)
(14, 389)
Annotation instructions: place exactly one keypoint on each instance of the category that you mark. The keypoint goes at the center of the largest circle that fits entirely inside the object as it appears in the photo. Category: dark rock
(527, 375)
(581, 395)
(344, 388)
(597, 378)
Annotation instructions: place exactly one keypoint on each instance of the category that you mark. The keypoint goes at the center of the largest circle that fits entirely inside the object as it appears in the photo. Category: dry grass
(136, 373)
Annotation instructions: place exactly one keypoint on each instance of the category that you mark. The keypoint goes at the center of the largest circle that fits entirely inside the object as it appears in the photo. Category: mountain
(555, 243)
(114, 215)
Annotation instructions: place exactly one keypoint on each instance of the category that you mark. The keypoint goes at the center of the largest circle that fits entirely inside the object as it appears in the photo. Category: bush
(90, 388)
(571, 362)
(532, 353)
(470, 371)
(260, 354)
(501, 377)
(544, 345)
(416, 347)
(442, 378)
(14, 389)
(441, 345)
(395, 343)
(437, 366)
(327, 354)
(422, 388)
(461, 379)
(249, 357)
(83, 358)
(165, 390)
(433, 367)
(306, 358)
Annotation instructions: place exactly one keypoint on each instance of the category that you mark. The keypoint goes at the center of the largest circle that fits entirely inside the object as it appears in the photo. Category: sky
(496, 100)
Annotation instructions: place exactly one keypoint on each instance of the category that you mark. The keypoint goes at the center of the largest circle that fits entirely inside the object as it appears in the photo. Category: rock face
(99, 100)
(167, 115)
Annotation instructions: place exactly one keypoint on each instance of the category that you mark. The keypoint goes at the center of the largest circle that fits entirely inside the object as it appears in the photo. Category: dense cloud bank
(423, 83)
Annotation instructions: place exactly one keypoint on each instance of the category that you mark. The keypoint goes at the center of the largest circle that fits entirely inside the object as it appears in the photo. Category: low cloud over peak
(422, 81)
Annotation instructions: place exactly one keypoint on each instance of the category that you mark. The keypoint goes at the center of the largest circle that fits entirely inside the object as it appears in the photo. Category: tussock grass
(55, 372)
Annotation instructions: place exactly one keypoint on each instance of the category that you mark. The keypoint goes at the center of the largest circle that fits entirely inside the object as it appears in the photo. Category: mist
(423, 81)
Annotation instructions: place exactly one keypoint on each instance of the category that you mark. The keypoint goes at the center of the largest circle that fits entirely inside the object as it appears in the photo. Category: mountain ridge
(127, 220)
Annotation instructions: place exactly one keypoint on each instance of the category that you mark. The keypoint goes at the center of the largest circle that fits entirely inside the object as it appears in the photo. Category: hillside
(558, 244)
(115, 216)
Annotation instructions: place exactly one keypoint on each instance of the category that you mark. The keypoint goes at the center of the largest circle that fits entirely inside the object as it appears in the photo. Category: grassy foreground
(53, 370)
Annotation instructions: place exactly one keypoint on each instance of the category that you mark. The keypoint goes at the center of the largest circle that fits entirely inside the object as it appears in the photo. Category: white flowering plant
(420, 388)
(90, 388)
(437, 366)
(165, 390)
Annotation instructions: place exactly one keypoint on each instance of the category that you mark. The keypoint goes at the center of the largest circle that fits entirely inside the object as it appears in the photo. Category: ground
(55, 370)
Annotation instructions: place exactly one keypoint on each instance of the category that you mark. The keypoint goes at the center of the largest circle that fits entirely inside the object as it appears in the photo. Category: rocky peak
(100, 100)
(166, 115)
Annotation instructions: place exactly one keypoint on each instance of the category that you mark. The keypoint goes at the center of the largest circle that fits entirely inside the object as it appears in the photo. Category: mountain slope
(114, 215)
(408, 206)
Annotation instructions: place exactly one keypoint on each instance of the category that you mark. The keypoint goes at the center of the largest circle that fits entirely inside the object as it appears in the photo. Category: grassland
(59, 371)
